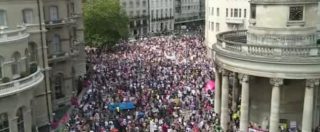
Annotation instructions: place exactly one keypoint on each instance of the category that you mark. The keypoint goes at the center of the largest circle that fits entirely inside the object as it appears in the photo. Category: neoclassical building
(161, 15)
(224, 15)
(39, 63)
(138, 13)
(276, 61)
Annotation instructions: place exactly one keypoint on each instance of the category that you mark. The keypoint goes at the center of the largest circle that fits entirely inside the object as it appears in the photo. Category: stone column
(27, 120)
(275, 105)
(13, 125)
(235, 91)
(308, 106)
(244, 117)
(225, 101)
(217, 94)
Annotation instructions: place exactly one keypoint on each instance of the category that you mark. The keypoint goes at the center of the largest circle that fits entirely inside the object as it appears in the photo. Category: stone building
(277, 62)
(138, 13)
(39, 63)
(224, 15)
(161, 15)
(189, 13)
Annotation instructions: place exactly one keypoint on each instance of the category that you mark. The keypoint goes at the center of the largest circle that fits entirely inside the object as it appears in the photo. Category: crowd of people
(164, 77)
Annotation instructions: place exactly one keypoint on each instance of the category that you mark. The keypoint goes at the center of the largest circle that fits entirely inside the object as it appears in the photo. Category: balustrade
(235, 41)
(11, 35)
(21, 84)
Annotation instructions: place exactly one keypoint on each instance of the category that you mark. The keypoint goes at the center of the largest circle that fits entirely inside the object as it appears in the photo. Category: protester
(164, 77)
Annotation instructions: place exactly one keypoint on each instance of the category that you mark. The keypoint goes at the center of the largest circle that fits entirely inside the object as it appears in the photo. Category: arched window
(1, 65)
(56, 44)
(58, 85)
(53, 13)
(27, 16)
(15, 64)
(3, 18)
(33, 51)
(4, 123)
(20, 121)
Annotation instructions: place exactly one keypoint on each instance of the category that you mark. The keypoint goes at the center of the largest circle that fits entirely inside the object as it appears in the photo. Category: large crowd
(164, 77)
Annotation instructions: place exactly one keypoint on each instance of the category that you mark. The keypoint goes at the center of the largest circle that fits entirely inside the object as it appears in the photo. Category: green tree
(105, 23)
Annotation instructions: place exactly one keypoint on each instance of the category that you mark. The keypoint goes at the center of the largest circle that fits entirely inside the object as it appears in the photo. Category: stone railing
(235, 20)
(13, 35)
(21, 84)
(235, 42)
(282, 1)
(59, 22)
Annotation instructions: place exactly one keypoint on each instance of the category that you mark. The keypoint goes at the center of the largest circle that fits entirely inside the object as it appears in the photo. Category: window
(212, 11)
(166, 12)
(231, 14)
(227, 12)
(72, 7)
(1, 63)
(157, 13)
(253, 11)
(138, 3)
(3, 18)
(245, 13)
(58, 84)
(144, 3)
(20, 122)
(235, 13)
(124, 4)
(131, 13)
(27, 16)
(144, 12)
(212, 26)
(239, 12)
(217, 27)
(53, 12)
(4, 123)
(131, 4)
(56, 44)
(138, 13)
(15, 67)
(296, 13)
(218, 12)
(152, 16)
(171, 13)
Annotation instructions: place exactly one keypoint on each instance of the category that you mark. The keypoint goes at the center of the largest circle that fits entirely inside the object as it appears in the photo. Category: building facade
(137, 11)
(189, 13)
(161, 15)
(224, 15)
(39, 63)
(275, 64)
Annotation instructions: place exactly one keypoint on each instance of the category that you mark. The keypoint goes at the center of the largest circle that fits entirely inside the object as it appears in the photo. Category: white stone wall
(216, 23)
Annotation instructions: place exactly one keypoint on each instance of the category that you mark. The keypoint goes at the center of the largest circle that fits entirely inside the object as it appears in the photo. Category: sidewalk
(62, 126)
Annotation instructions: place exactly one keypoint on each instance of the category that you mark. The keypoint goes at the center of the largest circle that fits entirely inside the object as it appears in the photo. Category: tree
(106, 23)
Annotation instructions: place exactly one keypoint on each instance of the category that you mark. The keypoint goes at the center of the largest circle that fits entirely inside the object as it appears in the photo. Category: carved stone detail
(244, 78)
(310, 83)
(225, 72)
(276, 81)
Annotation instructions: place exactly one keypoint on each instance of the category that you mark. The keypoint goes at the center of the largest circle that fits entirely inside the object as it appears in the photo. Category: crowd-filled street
(155, 84)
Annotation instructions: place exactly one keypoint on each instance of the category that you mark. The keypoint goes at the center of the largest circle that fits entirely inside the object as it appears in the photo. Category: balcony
(235, 42)
(283, 1)
(291, 61)
(22, 84)
(13, 35)
(62, 56)
(235, 20)
(60, 22)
